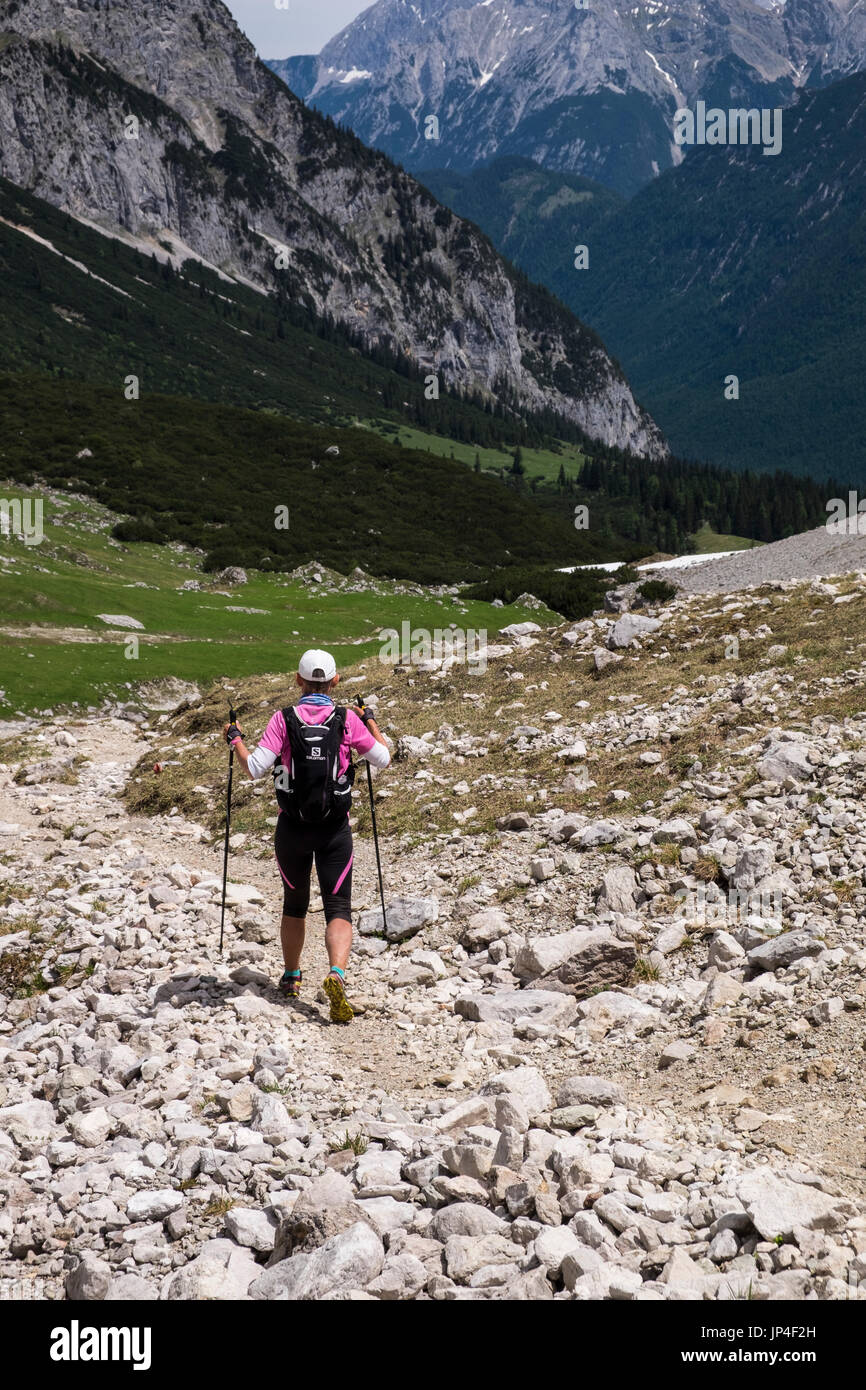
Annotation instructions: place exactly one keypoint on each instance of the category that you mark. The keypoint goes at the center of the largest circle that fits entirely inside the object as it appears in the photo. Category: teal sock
(335, 970)
(291, 974)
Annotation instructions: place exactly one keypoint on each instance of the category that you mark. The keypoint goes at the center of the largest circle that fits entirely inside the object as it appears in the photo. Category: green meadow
(55, 651)
(538, 463)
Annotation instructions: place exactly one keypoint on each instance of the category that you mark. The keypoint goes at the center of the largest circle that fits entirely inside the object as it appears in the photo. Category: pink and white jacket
(275, 741)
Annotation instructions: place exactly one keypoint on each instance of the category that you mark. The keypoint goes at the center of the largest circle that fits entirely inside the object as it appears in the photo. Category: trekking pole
(375, 836)
(232, 720)
(376, 843)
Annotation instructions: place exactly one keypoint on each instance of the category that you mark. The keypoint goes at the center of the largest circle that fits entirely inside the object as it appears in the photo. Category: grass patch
(21, 748)
(13, 893)
(644, 971)
(509, 893)
(846, 889)
(707, 868)
(11, 926)
(21, 975)
(357, 1143)
(538, 462)
(666, 855)
(706, 541)
(219, 1206)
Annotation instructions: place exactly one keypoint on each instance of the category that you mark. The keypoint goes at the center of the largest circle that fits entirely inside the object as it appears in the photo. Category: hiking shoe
(290, 985)
(341, 1009)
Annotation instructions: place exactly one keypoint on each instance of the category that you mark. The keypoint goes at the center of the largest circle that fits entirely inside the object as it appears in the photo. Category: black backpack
(311, 788)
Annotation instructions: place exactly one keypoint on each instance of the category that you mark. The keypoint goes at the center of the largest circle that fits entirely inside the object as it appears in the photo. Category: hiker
(308, 749)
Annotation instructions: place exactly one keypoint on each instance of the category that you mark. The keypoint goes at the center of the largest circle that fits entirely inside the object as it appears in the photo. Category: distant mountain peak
(583, 90)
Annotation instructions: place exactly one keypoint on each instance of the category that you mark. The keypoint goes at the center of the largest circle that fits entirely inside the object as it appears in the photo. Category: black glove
(365, 714)
(232, 732)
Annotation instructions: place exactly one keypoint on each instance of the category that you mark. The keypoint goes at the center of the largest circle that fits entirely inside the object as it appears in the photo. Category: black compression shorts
(296, 844)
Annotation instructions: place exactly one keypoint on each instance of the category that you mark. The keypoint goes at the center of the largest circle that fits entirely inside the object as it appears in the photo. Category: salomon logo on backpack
(311, 788)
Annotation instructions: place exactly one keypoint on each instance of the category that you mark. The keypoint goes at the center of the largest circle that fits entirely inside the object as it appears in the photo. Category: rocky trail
(611, 1054)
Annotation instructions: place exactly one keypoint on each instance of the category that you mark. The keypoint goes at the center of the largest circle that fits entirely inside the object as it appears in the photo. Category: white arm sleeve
(260, 761)
(377, 756)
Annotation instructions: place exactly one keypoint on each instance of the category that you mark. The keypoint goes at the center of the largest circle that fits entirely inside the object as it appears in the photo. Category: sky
(302, 28)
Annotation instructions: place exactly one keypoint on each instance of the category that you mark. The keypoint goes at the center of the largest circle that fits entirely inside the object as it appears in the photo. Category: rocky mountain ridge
(163, 127)
(588, 89)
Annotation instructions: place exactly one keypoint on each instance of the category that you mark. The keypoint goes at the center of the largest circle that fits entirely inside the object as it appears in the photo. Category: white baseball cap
(316, 665)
